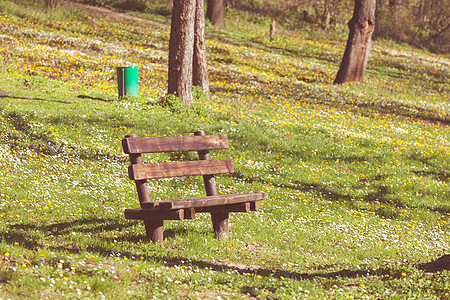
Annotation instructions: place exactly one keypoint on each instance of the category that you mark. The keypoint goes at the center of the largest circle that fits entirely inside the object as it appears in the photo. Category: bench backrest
(174, 144)
(140, 171)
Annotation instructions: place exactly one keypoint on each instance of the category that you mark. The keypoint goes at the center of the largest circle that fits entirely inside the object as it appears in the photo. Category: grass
(357, 175)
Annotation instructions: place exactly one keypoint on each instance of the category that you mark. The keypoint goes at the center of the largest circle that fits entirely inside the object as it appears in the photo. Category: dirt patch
(114, 15)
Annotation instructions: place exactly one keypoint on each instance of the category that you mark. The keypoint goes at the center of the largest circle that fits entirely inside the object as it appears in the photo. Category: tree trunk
(52, 4)
(273, 29)
(326, 16)
(181, 50)
(200, 73)
(379, 16)
(356, 55)
(215, 12)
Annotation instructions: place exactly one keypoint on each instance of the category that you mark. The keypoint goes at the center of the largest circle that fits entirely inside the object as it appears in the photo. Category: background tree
(418, 22)
(187, 50)
(52, 4)
(357, 50)
(326, 16)
(423, 23)
(181, 50)
(200, 71)
(215, 12)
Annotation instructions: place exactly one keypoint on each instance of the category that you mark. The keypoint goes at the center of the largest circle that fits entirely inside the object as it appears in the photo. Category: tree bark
(215, 12)
(200, 71)
(181, 50)
(326, 16)
(356, 55)
(273, 29)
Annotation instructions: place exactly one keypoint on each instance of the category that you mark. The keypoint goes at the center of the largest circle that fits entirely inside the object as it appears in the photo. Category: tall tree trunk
(52, 4)
(181, 50)
(200, 73)
(356, 55)
(379, 16)
(326, 18)
(273, 29)
(215, 12)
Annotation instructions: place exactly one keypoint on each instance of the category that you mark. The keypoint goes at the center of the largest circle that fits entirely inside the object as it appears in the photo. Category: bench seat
(204, 201)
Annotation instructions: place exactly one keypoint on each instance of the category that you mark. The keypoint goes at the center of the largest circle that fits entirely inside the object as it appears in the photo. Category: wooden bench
(153, 213)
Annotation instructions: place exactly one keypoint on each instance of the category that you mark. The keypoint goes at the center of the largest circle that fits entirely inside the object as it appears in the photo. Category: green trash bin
(127, 81)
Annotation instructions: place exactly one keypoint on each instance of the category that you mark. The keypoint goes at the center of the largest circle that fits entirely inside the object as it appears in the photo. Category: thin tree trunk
(273, 29)
(181, 50)
(215, 12)
(356, 55)
(200, 73)
(327, 16)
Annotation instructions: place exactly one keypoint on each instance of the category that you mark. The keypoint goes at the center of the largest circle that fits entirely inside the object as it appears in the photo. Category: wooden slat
(206, 201)
(182, 168)
(254, 206)
(174, 144)
(240, 207)
(189, 213)
(150, 204)
(145, 214)
(154, 205)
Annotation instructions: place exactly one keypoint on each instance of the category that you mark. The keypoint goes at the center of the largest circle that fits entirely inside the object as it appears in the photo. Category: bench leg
(220, 225)
(155, 230)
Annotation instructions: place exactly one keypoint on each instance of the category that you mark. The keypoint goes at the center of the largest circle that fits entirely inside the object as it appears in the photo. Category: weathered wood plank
(205, 201)
(254, 206)
(189, 213)
(146, 214)
(174, 144)
(240, 207)
(182, 168)
(150, 204)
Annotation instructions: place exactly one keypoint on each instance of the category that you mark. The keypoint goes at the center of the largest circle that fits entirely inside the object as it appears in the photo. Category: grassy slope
(357, 174)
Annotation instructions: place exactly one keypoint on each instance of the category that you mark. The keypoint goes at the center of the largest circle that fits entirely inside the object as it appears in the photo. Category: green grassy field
(357, 174)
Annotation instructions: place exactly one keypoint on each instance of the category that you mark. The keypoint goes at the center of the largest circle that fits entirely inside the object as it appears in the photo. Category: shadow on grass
(34, 98)
(17, 235)
(103, 224)
(386, 108)
(439, 176)
(379, 196)
(18, 232)
(304, 52)
(309, 187)
(170, 233)
(94, 98)
(438, 265)
(87, 225)
(44, 142)
(442, 175)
